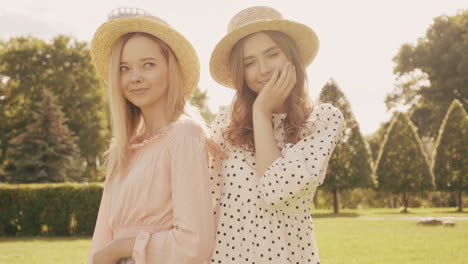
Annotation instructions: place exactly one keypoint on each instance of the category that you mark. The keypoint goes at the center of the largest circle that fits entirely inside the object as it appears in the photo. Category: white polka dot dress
(267, 219)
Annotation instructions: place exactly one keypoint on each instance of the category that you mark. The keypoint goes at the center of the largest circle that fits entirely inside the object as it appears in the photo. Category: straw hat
(108, 33)
(255, 19)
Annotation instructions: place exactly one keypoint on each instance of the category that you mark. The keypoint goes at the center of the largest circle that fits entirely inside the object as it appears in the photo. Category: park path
(442, 218)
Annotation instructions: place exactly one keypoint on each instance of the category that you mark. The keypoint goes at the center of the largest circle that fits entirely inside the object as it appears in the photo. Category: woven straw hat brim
(305, 38)
(108, 33)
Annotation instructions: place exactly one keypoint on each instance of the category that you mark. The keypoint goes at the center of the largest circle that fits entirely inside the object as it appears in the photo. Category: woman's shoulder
(324, 115)
(327, 112)
(222, 118)
(186, 126)
(219, 123)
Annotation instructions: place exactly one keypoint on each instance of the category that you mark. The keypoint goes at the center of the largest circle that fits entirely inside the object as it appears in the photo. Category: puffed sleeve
(216, 132)
(303, 165)
(191, 239)
(103, 234)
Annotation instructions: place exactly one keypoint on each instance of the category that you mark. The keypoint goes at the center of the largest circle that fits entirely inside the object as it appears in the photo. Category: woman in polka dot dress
(277, 143)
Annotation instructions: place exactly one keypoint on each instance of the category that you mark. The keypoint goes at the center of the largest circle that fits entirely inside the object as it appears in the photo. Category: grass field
(390, 213)
(344, 240)
(350, 237)
(44, 250)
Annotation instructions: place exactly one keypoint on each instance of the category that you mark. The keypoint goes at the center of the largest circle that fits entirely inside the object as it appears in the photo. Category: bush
(49, 209)
(370, 198)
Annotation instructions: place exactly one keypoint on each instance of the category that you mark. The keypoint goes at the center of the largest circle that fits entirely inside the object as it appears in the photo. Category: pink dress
(164, 200)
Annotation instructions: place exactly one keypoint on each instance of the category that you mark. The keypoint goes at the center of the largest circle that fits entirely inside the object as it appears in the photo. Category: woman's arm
(272, 96)
(114, 251)
(103, 234)
(303, 165)
(220, 122)
(191, 239)
(266, 149)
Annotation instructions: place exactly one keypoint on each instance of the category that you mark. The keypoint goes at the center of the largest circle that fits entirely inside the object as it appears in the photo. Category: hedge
(59, 209)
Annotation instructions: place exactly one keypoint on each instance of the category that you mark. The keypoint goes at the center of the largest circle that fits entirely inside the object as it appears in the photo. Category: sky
(358, 39)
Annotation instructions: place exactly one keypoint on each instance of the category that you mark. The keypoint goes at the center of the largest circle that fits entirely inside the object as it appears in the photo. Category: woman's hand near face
(276, 90)
(271, 97)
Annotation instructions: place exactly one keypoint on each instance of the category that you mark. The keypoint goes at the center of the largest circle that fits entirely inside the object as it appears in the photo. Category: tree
(375, 140)
(350, 165)
(4, 124)
(433, 73)
(63, 67)
(450, 163)
(14, 108)
(46, 151)
(198, 99)
(402, 166)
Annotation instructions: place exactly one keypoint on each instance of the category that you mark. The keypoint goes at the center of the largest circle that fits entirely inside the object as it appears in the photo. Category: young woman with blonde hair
(156, 205)
(277, 142)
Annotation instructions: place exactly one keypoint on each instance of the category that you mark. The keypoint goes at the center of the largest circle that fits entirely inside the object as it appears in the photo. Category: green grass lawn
(345, 238)
(44, 250)
(361, 241)
(390, 213)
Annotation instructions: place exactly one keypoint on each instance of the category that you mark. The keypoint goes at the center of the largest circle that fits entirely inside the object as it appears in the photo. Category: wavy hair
(239, 132)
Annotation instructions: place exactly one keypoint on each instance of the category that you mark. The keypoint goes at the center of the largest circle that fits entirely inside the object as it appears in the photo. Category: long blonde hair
(126, 117)
(299, 106)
